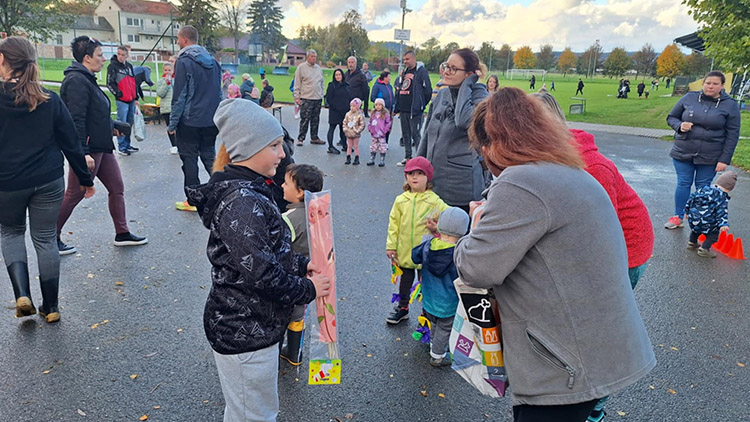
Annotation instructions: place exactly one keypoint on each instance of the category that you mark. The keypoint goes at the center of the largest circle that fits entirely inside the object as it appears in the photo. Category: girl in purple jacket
(380, 124)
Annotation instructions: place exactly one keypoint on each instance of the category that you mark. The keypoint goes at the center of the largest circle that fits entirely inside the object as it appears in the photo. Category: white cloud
(562, 23)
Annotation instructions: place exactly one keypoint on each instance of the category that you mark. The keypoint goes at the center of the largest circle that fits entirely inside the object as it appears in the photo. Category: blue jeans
(687, 173)
(125, 113)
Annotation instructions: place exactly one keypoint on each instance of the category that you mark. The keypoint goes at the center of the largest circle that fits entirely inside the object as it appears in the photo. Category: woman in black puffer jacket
(337, 99)
(707, 128)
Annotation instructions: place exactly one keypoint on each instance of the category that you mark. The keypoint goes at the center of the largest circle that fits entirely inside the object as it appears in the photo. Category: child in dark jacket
(439, 297)
(256, 278)
(298, 179)
(706, 210)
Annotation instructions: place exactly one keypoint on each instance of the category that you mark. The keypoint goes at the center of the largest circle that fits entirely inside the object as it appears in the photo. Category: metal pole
(507, 63)
(171, 25)
(119, 27)
(596, 52)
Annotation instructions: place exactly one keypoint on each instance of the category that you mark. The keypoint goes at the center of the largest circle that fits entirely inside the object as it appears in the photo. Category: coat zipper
(546, 353)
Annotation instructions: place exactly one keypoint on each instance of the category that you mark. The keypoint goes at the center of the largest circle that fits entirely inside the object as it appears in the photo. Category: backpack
(268, 100)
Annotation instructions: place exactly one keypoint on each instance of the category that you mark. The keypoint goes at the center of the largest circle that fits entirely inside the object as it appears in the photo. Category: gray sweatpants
(43, 205)
(440, 334)
(249, 382)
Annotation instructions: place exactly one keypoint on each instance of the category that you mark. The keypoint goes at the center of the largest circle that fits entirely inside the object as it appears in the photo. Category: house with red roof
(140, 23)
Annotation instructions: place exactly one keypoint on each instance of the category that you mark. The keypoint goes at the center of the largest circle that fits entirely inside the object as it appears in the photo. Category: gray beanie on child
(453, 222)
(245, 128)
(727, 180)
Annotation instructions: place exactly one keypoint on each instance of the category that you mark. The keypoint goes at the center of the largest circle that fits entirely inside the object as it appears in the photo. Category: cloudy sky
(562, 23)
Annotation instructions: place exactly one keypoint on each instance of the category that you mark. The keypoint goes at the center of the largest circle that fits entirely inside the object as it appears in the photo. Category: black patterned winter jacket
(256, 278)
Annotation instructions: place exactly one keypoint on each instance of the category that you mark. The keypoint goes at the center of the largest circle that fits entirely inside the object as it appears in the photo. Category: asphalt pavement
(131, 342)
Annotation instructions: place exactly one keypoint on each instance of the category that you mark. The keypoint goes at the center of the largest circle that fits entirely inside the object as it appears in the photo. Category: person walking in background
(379, 126)
(446, 140)
(382, 89)
(248, 90)
(552, 86)
(354, 125)
(641, 88)
(337, 99)
(368, 77)
(37, 131)
(669, 80)
(558, 361)
(226, 80)
(89, 107)
(197, 93)
(707, 129)
(357, 82)
(308, 93)
(121, 83)
(164, 91)
(579, 90)
(262, 73)
(532, 83)
(493, 84)
(707, 213)
(413, 93)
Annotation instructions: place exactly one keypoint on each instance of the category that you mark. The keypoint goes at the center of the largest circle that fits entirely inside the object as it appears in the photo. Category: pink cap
(420, 163)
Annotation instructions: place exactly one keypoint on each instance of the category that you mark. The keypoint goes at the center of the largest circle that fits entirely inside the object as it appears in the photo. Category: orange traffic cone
(727, 246)
(720, 243)
(736, 251)
(701, 238)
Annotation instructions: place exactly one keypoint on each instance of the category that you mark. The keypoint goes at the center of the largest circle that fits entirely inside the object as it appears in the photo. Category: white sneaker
(173, 151)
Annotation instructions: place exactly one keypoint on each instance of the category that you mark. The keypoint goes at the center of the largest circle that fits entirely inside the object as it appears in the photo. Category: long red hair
(511, 128)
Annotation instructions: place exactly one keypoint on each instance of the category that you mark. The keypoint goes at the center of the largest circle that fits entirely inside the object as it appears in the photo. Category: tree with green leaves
(204, 17)
(505, 58)
(617, 63)
(352, 36)
(39, 19)
(545, 58)
(567, 61)
(590, 60)
(431, 54)
(644, 61)
(486, 53)
(725, 28)
(264, 19)
(696, 64)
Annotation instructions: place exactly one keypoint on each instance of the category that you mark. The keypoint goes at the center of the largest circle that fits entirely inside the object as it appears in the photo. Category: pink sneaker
(674, 223)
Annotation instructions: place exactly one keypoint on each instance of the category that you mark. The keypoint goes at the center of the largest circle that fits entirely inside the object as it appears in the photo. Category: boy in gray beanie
(439, 297)
(707, 214)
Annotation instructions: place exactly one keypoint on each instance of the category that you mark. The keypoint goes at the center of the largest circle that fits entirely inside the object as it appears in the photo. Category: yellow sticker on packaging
(324, 372)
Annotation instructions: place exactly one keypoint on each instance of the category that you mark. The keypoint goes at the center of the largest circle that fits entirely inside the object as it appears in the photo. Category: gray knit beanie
(454, 222)
(727, 180)
(245, 128)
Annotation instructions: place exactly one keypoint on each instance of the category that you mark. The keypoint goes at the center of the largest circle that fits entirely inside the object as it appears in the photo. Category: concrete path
(131, 337)
(622, 130)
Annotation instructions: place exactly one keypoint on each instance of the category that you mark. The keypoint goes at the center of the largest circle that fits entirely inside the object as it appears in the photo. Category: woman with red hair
(550, 246)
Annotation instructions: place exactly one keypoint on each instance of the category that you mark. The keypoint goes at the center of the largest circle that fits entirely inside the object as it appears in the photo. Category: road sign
(401, 34)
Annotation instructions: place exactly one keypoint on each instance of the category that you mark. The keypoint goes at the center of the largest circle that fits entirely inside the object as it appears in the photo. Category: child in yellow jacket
(410, 216)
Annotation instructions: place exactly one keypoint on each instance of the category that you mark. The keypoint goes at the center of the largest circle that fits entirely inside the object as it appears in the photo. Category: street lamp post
(404, 11)
(596, 51)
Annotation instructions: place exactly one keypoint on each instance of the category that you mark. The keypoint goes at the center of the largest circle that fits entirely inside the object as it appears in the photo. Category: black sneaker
(123, 152)
(397, 315)
(129, 239)
(64, 249)
(333, 150)
(133, 149)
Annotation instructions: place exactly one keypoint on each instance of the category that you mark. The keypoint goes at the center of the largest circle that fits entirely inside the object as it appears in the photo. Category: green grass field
(602, 105)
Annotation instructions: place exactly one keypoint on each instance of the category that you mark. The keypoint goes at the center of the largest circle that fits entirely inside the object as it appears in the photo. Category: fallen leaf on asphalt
(620, 413)
(423, 392)
(391, 375)
(145, 286)
(143, 418)
(731, 374)
(119, 283)
(205, 401)
(94, 326)
(674, 348)
(150, 355)
(692, 328)
(369, 355)
(741, 365)
(441, 395)
(671, 391)
(406, 354)
(81, 412)
(398, 338)
(651, 387)
(45, 372)
(179, 330)
(89, 275)
(105, 321)
(203, 287)
(349, 416)
(134, 376)
(157, 407)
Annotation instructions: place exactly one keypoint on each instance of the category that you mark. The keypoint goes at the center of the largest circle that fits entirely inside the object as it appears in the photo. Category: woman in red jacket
(631, 211)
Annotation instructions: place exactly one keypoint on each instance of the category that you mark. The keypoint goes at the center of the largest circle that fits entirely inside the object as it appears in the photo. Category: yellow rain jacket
(407, 223)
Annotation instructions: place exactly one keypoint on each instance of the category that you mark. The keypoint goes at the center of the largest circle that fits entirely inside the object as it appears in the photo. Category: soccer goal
(526, 73)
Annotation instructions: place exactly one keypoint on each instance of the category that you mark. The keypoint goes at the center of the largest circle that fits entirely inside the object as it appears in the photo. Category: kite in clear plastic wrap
(325, 363)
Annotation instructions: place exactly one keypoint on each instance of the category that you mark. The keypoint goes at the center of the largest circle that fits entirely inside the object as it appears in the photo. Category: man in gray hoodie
(195, 98)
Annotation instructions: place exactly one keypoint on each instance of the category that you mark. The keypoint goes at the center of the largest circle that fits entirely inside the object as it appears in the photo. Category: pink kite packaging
(325, 363)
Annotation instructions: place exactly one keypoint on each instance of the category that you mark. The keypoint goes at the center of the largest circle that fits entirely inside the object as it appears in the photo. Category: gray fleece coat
(550, 245)
(458, 177)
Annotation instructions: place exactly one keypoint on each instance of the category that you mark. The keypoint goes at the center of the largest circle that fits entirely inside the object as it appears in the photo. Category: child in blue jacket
(439, 297)
(706, 210)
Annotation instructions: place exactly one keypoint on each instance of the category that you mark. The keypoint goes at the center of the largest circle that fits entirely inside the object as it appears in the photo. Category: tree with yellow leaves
(524, 58)
(671, 62)
(567, 61)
